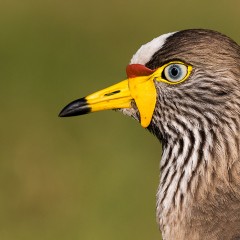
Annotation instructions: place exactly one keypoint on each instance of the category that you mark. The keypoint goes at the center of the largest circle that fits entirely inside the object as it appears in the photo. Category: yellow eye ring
(173, 72)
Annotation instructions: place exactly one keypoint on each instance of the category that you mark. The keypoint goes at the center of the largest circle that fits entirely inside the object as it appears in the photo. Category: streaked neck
(193, 174)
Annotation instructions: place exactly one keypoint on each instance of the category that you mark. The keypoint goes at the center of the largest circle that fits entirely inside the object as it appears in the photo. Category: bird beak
(140, 89)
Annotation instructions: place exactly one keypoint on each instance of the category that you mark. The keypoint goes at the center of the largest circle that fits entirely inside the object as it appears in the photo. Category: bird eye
(175, 72)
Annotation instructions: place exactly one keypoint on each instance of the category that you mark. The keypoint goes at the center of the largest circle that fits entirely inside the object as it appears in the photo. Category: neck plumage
(200, 182)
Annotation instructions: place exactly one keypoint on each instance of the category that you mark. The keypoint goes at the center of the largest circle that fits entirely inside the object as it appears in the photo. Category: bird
(184, 87)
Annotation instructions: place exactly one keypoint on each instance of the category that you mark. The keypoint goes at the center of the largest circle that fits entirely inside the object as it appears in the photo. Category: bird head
(184, 87)
(177, 77)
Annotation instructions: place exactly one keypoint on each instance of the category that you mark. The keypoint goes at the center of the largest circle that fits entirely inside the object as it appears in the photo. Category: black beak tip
(75, 108)
(63, 112)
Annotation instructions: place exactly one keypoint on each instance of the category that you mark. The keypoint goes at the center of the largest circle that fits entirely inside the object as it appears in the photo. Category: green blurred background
(90, 177)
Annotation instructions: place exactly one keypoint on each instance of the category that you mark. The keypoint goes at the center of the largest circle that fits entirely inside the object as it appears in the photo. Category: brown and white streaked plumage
(198, 123)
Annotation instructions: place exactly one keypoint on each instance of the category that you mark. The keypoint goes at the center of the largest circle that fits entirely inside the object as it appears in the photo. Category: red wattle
(137, 70)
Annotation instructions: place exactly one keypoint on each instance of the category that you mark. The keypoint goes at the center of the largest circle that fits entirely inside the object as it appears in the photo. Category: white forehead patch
(146, 51)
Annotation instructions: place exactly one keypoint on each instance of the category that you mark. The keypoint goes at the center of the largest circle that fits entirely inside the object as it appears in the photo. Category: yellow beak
(139, 89)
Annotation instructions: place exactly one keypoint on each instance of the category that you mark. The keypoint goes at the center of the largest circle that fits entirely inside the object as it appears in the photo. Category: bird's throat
(196, 181)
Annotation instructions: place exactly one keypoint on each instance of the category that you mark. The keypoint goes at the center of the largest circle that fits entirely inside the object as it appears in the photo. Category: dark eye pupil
(174, 71)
